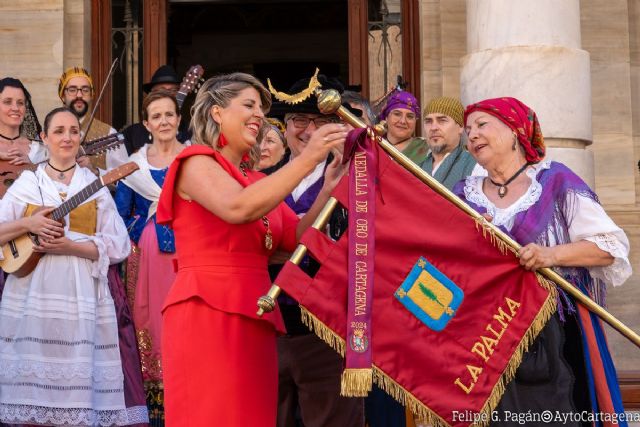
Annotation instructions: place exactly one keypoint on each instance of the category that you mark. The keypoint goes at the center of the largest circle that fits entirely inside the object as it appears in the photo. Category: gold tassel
(356, 382)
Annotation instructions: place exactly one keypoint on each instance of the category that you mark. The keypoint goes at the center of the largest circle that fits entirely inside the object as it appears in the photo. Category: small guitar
(20, 258)
(9, 173)
(189, 83)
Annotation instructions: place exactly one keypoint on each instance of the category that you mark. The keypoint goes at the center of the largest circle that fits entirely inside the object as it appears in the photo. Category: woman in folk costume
(557, 218)
(18, 127)
(137, 200)
(219, 359)
(402, 113)
(18, 123)
(59, 355)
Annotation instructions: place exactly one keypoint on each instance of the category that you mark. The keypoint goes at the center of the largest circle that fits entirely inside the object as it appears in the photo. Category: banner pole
(267, 303)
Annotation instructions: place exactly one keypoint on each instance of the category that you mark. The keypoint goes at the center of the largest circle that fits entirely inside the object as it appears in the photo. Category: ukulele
(19, 256)
(9, 173)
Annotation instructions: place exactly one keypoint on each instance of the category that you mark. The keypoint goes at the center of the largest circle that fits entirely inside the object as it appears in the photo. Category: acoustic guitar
(9, 173)
(19, 256)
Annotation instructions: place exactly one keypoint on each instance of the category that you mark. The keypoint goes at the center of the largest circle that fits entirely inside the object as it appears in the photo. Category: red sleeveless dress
(219, 359)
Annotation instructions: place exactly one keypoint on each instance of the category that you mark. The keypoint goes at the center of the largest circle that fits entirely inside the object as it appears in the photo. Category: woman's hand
(64, 246)
(15, 156)
(333, 173)
(58, 246)
(45, 228)
(533, 256)
(326, 138)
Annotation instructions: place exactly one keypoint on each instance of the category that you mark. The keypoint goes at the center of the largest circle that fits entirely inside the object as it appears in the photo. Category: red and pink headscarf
(520, 118)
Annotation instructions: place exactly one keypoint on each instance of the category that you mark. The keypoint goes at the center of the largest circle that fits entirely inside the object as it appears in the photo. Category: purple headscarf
(401, 99)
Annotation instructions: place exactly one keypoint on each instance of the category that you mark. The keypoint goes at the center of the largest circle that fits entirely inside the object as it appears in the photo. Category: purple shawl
(551, 215)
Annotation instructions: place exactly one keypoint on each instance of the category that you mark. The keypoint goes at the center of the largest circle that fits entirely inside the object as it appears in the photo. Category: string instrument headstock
(190, 83)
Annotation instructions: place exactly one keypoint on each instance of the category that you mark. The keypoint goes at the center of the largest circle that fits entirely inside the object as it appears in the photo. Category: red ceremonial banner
(452, 313)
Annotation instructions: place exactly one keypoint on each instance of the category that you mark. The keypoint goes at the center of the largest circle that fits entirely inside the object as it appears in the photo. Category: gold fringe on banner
(408, 400)
(547, 310)
(356, 382)
(502, 246)
(419, 409)
(314, 324)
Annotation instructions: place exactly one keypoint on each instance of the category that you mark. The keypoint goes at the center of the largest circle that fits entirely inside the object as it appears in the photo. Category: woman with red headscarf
(559, 222)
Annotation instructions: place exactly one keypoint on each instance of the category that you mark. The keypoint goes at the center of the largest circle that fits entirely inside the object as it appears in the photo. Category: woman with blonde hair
(219, 358)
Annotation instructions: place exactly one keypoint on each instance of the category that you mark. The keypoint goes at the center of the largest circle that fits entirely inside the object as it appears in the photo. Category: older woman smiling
(272, 145)
(557, 218)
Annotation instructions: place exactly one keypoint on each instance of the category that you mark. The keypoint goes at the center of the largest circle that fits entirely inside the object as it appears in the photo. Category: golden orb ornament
(328, 101)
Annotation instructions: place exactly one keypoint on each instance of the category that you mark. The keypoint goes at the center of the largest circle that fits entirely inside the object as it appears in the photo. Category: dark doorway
(281, 40)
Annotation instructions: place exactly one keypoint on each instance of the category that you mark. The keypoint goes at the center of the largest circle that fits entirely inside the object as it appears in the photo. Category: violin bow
(97, 103)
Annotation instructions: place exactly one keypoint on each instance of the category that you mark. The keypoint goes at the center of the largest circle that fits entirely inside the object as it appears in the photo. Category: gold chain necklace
(268, 237)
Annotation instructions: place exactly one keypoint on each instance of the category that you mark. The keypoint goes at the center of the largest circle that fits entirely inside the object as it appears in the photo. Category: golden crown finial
(296, 98)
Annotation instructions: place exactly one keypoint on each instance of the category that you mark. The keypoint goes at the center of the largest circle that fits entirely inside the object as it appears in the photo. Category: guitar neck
(180, 97)
(95, 146)
(69, 205)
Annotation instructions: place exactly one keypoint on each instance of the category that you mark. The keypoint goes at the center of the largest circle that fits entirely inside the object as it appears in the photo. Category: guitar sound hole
(14, 249)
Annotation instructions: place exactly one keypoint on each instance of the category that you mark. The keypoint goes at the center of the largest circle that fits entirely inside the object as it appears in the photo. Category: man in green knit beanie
(448, 161)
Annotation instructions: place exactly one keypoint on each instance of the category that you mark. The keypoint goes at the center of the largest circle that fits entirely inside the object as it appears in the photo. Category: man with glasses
(309, 370)
(76, 91)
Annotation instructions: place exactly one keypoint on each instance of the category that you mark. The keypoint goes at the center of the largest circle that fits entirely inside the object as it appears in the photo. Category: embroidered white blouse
(590, 222)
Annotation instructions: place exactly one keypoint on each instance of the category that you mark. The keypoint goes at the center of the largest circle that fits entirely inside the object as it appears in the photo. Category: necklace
(268, 237)
(10, 139)
(61, 171)
(502, 188)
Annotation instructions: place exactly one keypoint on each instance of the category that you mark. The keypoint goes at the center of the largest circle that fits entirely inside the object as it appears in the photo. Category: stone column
(532, 51)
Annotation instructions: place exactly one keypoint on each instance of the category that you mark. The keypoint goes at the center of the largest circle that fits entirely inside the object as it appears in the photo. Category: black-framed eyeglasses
(73, 90)
(302, 122)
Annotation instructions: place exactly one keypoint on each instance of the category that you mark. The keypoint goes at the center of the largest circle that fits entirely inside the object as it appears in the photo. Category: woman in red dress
(219, 358)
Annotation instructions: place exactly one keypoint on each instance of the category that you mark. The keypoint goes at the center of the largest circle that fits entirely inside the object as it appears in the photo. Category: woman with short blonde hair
(219, 358)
